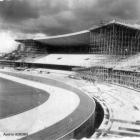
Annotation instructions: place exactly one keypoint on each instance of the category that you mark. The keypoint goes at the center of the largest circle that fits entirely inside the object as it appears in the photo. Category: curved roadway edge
(70, 124)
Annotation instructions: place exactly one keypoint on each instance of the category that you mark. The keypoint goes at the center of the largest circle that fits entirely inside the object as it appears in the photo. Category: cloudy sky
(52, 17)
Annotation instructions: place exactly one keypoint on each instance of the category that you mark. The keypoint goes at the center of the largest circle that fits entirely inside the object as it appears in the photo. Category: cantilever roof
(131, 26)
(77, 38)
(134, 26)
(72, 39)
(65, 35)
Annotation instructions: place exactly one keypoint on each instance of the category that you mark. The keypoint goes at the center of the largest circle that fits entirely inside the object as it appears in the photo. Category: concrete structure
(110, 38)
(60, 113)
(69, 43)
(101, 58)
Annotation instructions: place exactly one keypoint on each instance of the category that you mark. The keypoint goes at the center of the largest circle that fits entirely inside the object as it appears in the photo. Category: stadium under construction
(98, 70)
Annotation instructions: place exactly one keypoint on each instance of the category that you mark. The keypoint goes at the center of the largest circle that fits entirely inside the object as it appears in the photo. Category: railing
(129, 79)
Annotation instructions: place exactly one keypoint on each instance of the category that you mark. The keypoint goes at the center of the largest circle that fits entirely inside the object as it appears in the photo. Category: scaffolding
(120, 42)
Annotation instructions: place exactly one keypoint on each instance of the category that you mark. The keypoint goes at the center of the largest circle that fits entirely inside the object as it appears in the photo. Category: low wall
(85, 130)
(36, 65)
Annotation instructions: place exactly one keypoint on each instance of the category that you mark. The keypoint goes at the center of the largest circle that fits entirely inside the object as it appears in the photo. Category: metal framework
(115, 39)
(120, 42)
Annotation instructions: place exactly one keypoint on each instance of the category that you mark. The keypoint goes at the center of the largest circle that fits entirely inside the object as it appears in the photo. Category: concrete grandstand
(103, 62)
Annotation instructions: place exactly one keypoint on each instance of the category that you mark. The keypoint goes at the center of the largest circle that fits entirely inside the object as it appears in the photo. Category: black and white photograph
(69, 69)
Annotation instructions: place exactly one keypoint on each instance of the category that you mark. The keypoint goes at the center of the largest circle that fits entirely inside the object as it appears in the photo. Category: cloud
(63, 16)
(107, 10)
(17, 10)
(7, 42)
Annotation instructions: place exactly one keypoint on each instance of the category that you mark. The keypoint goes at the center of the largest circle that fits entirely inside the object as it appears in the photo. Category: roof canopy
(134, 27)
(76, 39)
(73, 39)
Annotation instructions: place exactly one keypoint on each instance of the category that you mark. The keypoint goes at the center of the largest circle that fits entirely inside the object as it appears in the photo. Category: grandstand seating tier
(84, 60)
